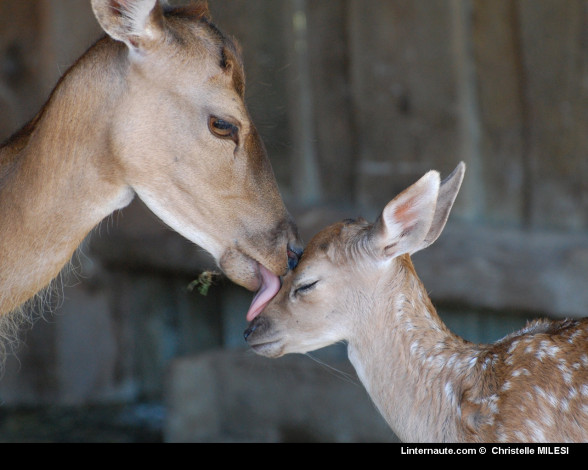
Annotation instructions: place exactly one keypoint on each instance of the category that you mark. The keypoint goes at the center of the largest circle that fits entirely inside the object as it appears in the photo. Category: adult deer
(155, 108)
(356, 282)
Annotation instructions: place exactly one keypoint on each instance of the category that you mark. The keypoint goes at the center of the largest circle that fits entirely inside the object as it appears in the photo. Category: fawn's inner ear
(406, 220)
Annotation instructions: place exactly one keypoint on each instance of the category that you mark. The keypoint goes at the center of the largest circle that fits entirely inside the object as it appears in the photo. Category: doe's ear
(137, 23)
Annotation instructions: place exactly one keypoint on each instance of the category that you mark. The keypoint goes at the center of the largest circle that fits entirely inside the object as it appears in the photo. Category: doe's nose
(294, 254)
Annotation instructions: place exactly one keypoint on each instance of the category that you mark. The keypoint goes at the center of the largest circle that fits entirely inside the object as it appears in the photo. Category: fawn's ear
(447, 194)
(406, 220)
(416, 217)
(137, 23)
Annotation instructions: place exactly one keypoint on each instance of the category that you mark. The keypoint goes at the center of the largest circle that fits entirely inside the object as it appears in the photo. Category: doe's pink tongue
(270, 285)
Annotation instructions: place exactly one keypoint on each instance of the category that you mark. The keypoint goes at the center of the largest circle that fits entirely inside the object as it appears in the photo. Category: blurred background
(355, 100)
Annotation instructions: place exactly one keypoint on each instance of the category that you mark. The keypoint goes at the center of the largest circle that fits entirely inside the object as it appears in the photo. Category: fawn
(356, 283)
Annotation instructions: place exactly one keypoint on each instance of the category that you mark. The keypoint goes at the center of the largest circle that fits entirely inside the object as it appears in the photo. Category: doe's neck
(58, 178)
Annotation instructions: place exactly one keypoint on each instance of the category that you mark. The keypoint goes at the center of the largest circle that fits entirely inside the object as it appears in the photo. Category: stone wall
(355, 99)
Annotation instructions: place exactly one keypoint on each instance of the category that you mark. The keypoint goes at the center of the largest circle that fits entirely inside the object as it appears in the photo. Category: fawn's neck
(410, 363)
(57, 178)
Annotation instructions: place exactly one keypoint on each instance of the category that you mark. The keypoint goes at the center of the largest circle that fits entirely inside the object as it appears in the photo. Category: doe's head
(186, 144)
(339, 272)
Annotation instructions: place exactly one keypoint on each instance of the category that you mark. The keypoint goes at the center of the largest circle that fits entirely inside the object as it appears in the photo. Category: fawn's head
(338, 273)
(184, 139)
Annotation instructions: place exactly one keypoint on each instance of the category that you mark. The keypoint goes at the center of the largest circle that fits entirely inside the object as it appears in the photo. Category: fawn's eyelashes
(304, 287)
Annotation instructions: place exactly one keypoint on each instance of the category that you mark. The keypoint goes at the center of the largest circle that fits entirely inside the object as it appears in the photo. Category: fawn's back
(533, 385)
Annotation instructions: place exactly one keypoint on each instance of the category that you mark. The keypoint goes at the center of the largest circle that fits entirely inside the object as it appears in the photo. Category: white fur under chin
(184, 228)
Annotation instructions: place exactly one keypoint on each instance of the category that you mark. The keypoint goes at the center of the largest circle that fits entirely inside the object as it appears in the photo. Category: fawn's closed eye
(306, 287)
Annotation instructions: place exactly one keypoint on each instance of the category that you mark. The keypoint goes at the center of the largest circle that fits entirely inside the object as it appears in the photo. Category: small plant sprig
(203, 282)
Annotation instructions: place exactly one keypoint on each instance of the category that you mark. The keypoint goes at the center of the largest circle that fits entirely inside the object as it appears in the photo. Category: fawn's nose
(248, 331)
(256, 327)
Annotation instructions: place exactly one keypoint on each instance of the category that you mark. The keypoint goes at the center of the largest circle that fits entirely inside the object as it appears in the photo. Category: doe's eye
(305, 288)
(223, 129)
